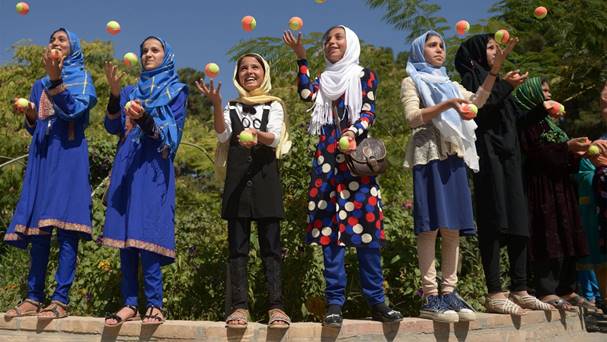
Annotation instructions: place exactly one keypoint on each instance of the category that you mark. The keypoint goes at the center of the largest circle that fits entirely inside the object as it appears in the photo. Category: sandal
(275, 316)
(54, 308)
(503, 306)
(581, 302)
(119, 320)
(530, 302)
(559, 303)
(158, 318)
(241, 315)
(19, 313)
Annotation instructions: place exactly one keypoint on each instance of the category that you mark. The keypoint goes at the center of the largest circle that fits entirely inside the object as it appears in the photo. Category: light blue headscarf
(156, 89)
(434, 86)
(75, 78)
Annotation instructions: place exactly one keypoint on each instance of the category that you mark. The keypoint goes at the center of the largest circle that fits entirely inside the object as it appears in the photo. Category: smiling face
(152, 54)
(61, 42)
(434, 51)
(546, 91)
(491, 51)
(250, 73)
(335, 44)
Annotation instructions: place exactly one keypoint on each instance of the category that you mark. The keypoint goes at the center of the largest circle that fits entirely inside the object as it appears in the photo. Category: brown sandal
(53, 307)
(158, 318)
(19, 313)
(238, 315)
(277, 315)
(119, 320)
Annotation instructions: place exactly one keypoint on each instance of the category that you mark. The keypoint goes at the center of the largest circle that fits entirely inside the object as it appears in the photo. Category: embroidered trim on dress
(28, 231)
(140, 245)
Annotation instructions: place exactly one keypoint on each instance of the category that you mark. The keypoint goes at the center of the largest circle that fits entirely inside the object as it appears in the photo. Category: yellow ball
(246, 136)
(295, 23)
(248, 23)
(319, 1)
(22, 103)
(344, 143)
(593, 150)
(130, 59)
(112, 27)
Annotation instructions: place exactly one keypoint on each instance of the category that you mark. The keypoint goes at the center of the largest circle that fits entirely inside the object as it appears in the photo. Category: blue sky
(202, 31)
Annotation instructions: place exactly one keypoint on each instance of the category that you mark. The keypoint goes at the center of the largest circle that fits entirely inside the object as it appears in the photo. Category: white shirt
(275, 119)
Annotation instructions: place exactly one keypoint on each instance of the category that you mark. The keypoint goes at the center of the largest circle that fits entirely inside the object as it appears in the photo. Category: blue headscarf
(156, 89)
(75, 78)
(434, 86)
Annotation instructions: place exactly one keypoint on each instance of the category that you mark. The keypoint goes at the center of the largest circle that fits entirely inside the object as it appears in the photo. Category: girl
(56, 191)
(556, 237)
(442, 144)
(252, 190)
(498, 186)
(343, 209)
(148, 117)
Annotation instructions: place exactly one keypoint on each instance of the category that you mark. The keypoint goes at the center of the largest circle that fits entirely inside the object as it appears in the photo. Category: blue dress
(141, 197)
(56, 191)
(442, 197)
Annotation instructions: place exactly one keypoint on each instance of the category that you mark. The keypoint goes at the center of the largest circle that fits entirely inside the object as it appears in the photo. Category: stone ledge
(535, 326)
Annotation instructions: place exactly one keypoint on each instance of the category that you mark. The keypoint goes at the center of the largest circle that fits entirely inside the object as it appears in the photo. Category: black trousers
(489, 246)
(554, 276)
(239, 235)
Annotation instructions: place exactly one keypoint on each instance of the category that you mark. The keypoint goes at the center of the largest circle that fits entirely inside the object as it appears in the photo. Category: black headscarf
(471, 61)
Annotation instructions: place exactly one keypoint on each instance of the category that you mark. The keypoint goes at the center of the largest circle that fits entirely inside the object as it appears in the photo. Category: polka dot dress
(343, 208)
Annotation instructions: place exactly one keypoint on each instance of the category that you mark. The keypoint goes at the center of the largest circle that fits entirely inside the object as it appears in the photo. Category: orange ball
(461, 27)
(112, 27)
(55, 54)
(211, 70)
(295, 23)
(540, 12)
(502, 36)
(248, 23)
(22, 8)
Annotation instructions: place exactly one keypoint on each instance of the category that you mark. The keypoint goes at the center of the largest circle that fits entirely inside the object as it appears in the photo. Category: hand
(578, 145)
(53, 66)
(210, 92)
(135, 110)
(515, 78)
(249, 144)
(600, 159)
(113, 76)
(29, 111)
(295, 44)
(456, 103)
(502, 55)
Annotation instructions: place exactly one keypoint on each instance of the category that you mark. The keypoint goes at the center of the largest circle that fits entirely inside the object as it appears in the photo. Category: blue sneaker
(434, 308)
(457, 304)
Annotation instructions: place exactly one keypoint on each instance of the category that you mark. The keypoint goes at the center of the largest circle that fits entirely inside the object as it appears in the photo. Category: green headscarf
(529, 95)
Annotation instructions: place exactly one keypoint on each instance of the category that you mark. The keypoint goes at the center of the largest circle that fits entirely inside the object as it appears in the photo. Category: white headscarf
(338, 79)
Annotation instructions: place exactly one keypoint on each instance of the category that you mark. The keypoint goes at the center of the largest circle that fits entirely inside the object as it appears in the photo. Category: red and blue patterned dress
(343, 208)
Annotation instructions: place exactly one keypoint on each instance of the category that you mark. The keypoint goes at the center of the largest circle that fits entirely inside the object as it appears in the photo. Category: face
(491, 51)
(60, 41)
(546, 91)
(250, 73)
(152, 54)
(335, 44)
(434, 51)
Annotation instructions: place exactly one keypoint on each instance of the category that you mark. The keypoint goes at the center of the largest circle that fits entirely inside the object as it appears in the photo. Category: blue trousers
(39, 253)
(588, 284)
(152, 276)
(371, 277)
